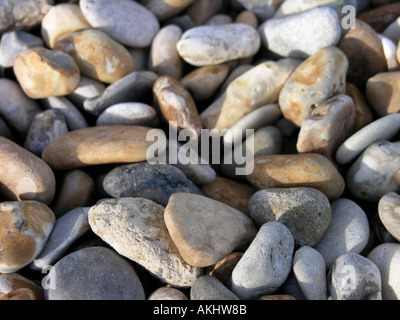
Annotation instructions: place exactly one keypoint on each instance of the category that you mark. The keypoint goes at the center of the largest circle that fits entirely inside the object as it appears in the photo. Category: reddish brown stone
(380, 18)
(10, 282)
(364, 114)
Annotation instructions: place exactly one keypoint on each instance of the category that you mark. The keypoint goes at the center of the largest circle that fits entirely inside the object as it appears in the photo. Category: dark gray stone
(143, 180)
(210, 288)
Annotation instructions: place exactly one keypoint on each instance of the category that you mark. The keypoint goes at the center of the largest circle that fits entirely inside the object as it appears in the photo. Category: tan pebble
(317, 79)
(298, 170)
(247, 17)
(205, 230)
(23, 175)
(277, 297)
(18, 294)
(202, 10)
(222, 270)
(383, 92)
(60, 20)
(257, 87)
(97, 54)
(168, 293)
(77, 189)
(176, 104)
(204, 82)
(24, 229)
(44, 73)
(13, 281)
(363, 110)
(98, 145)
(230, 192)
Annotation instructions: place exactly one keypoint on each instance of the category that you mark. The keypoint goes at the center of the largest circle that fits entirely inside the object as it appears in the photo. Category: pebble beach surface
(92, 92)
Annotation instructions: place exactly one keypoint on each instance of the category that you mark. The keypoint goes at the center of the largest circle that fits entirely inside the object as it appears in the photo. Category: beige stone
(205, 230)
(255, 88)
(23, 175)
(44, 73)
(24, 229)
(60, 20)
(317, 79)
(247, 17)
(298, 170)
(98, 145)
(97, 55)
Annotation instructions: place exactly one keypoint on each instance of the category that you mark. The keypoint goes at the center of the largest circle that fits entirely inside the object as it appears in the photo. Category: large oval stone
(297, 170)
(98, 145)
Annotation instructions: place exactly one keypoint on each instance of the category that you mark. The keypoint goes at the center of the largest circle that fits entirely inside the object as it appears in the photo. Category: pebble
(386, 257)
(93, 273)
(205, 230)
(133, 87)
(60, 20)
(210, 45)
(19, 294)
(266, 263)
(46, 73)
(382, 92)
(384, 128)
(381, 17)
(67, 229)
(97, 145)
(247, 17)
(128, 22)
(348, 231)
(164, 58)
(306, 212)
(168, 293)
(210, 288)
(76, 189)
(327, 127)
(87, 89)
(257, 87)
(364, 114)
(24, 176)
(354, 277)
(390, 50)
(202, 10)
(136, 230)
(275, 297)
(45, 127)
(177, 105)
(10, 282)
(318, 78)
(5, 130)
(310, 271)
(363, 48)
(156, 182)
(165, 9)
(388, 210)
(294, 170)
(16, 42)
(219, 19)
(230, 192)
(15, 107)
(262, 9)
(301, 35)
(222, 270)
(128, 113)
(375, 172)
(392, 31)
(25, 228)
(98, 55)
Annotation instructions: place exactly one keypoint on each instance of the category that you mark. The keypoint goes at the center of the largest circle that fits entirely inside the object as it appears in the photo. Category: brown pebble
(381, 17)
(364, 114)
(13, 281)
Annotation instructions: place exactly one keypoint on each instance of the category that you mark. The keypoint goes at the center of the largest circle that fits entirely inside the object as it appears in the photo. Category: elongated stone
(23, 175)
(257, 87)
(97, 145)
(317, 79)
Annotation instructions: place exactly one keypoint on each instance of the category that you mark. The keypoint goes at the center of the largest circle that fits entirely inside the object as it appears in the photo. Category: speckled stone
(136, 229)
(388, 210)
(143, 180)
(25, 228)
(205, 230)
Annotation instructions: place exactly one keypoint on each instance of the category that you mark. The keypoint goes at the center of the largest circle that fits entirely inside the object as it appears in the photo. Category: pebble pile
(85, 215)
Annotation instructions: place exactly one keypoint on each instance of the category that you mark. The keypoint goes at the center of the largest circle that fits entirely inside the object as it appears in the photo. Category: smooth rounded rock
(210, 288)
(222, 270)
(167, 293)
(305, 212)
(310, 271)
(165, 9)
(202, 10)
(126, 21)
(144, 180)
(297, 170)
(379, 18)
(136, 229)
(390, 51)
(266, 264)
(318, 78)
(210, 45)
(301, 35)
(364, 114)
(93, 273)
(23, 175)
(384, 128)
(376, 172)
(25, 228)
(205, 230)
(389, 213)
(262, 9)
(98, 145)
(348, 231)
(46, 73)
(386, 257)
(87, 89)
(10, 282)
(354, 277)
